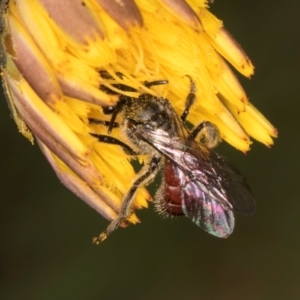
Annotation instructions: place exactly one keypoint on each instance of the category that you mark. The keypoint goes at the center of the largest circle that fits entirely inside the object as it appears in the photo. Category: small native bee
(197, 182)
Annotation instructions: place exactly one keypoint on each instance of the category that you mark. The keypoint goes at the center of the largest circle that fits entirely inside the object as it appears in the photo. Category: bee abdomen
(168, 198)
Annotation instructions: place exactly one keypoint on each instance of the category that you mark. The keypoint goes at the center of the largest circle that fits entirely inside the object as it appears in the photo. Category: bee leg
(148, 84)
(190, 100)
(145, 176)
(208, 133)
(104, 74)
(111, 140)
(104, 123)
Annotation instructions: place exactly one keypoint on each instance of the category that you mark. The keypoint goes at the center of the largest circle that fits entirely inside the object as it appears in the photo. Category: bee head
(150, 112)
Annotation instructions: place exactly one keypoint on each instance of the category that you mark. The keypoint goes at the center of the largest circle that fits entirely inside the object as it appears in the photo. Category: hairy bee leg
(104, 74)
(104, 123)
(118, 108)
(190, 100)
(208, 133)
(147, 174)
(148, 84)
(111, 140)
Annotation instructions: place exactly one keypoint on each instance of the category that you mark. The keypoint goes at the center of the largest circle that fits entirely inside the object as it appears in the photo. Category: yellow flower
(53, 51)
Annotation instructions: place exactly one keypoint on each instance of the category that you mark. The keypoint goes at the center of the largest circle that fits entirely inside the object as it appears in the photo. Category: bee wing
(211, 172)
(234, 184)
(206, 212)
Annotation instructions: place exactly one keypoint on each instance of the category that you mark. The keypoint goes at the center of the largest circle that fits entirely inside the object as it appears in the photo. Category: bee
(197, 182)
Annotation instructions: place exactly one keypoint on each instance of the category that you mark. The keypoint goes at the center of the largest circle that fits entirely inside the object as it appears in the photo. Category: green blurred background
(45, 231)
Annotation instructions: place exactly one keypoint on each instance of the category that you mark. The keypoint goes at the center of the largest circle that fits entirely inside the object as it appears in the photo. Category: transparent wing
(211, 215)
(206, 170)
(233, 183)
